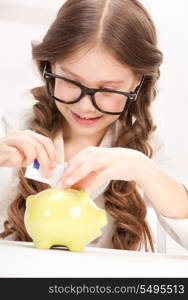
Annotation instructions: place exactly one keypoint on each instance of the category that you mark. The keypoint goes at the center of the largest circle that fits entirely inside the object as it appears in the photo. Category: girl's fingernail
(59, 186)
(70, 181)
(48, 174)
(53, 166)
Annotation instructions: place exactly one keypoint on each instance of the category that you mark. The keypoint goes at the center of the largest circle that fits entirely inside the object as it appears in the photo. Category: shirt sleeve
(9, 179)
(19, 117)
(162, 158)
(176, 228)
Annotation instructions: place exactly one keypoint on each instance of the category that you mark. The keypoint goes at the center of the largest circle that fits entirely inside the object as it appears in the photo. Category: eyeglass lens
(106, 101)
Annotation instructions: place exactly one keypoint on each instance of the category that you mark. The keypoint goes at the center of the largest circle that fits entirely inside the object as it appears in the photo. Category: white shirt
(20, 119)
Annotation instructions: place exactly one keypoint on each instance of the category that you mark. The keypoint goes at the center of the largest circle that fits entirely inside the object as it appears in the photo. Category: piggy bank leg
(76, 247)
(42, 244)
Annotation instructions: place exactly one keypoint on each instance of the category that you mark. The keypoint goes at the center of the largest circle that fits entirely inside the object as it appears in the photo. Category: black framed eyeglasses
(105, 100)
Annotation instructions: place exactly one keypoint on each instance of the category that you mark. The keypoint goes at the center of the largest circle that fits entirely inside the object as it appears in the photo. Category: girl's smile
(85, 120)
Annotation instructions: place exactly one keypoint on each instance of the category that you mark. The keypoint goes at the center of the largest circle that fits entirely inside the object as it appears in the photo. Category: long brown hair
(126, 30)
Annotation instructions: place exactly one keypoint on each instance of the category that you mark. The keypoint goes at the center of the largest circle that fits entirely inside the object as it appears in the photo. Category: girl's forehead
(94, 61)
(96, 54)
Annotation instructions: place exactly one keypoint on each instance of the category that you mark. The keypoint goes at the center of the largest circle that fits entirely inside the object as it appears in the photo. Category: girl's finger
(47, 144)
(79, 160)
(80, 157)
(23, 146)
(95, 165)
(73, 167)
(85, 182)
(15, 157)
(32, 150)
(43, 159)
(103, 176)
(82, 153)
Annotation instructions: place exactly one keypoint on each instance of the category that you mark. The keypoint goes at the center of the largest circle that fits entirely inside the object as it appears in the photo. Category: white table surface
(22, 259)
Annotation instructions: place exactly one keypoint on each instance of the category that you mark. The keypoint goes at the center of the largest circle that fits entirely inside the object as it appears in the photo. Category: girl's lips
(84, 121)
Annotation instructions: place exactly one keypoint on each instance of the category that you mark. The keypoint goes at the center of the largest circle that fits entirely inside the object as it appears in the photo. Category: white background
(22, 21)
(60, 263)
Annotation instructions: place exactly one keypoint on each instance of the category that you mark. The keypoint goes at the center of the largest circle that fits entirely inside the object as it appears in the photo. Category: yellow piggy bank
(63, 217)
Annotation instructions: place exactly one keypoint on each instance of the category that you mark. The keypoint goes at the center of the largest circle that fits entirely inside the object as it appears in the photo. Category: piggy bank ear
(29, 199)
(84, 197)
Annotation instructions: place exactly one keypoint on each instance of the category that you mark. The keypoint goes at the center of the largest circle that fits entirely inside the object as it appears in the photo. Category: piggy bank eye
(75, 212)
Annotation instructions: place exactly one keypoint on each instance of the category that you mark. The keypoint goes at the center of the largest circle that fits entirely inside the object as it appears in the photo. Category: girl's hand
(21, 147)
(94, 165)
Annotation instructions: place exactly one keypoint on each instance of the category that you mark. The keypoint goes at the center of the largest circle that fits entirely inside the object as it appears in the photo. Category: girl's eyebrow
(79, 78)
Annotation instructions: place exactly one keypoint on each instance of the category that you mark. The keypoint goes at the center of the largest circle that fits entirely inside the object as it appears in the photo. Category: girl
(100, 65)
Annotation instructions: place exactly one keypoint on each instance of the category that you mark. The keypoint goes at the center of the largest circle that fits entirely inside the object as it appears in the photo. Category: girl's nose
(85, 104)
